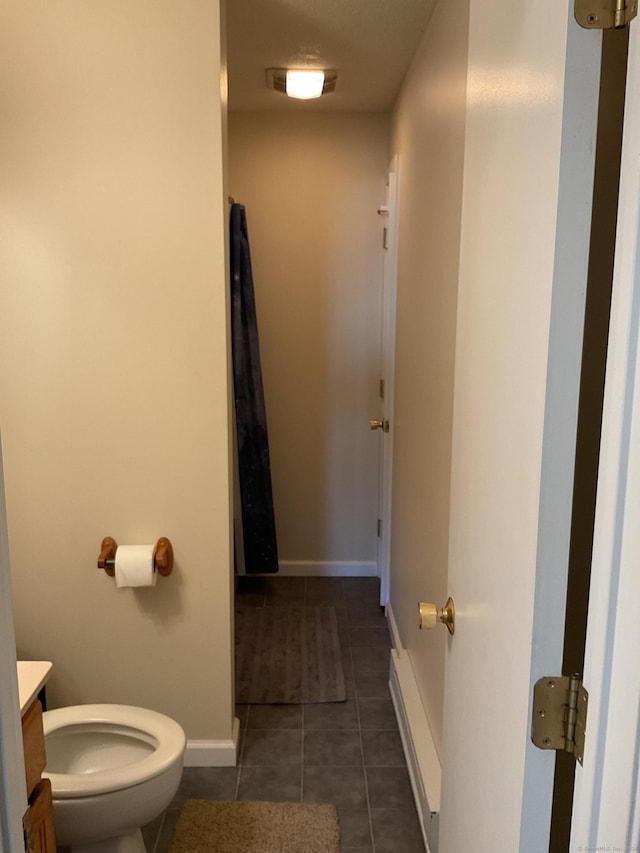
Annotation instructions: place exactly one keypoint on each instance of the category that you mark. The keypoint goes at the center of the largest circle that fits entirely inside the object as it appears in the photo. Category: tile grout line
(304, 604)
(155, 846)
(364, 769)
(237, 785)
(241, 755)
(302, 756)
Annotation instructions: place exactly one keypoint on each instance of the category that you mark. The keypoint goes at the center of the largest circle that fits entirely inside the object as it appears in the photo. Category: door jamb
(389, 291)
(594, 358)
(13, 800)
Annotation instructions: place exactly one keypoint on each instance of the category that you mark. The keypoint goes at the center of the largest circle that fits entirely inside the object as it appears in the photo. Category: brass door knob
(383, 425)
(430, 615)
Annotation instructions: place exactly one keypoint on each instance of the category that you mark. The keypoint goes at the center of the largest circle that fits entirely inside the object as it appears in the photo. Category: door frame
(612, 665)
(13, 799)
(389, 294)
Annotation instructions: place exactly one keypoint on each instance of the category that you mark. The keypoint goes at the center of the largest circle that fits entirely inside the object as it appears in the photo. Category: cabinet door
(34, 750)
(41, 802)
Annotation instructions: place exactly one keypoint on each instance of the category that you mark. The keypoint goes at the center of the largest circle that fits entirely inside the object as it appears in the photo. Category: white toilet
(113, 769)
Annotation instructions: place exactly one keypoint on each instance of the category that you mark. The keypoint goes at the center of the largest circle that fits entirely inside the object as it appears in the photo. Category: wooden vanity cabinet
(42, 833)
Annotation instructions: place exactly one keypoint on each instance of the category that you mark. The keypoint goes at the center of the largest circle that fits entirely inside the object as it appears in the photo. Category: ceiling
(369, 42)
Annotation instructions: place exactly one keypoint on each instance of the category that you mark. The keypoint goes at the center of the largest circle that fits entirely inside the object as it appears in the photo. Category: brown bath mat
(211, 827)
(288, 655)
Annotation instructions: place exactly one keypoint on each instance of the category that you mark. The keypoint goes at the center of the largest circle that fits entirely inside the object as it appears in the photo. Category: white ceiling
(369, 42)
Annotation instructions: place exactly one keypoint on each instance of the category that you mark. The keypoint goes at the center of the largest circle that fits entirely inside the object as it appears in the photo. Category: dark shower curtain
(258, 522)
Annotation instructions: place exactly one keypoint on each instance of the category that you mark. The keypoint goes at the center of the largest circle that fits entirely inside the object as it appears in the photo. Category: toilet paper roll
(135, 566)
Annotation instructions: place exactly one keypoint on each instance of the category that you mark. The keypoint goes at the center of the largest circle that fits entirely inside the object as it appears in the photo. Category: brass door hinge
(27, 829)
(560, 714)
(605, 14)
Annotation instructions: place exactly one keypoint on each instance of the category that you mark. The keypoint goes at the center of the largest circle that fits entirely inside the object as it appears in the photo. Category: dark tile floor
(348, 753)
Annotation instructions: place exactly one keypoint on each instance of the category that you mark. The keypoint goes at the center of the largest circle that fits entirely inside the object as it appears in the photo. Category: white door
(530, 133)
(13, 800)
(606, 812)
(389, 289)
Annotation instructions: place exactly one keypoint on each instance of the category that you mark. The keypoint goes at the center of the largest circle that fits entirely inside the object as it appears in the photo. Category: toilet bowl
(113, 769)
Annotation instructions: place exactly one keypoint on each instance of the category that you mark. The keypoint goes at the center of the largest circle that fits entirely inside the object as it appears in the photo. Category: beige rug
(288, 655)
(213, 827)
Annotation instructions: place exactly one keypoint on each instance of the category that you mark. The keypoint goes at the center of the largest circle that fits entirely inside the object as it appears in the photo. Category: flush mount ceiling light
(302, 83)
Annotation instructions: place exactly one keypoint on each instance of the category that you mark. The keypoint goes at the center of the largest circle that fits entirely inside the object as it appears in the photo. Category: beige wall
(428, 135)
(113, 356)
(311, 185)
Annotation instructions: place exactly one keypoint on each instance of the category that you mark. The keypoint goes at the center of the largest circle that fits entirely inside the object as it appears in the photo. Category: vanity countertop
(32, 676)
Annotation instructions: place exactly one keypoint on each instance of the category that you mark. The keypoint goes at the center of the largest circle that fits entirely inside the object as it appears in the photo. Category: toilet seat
(161, 738)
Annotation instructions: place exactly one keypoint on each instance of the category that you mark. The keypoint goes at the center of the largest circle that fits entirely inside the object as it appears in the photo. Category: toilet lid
(161, 739)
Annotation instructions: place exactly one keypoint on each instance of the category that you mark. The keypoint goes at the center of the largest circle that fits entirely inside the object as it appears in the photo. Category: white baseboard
(423, 762)
(309, 568)
(213, 753)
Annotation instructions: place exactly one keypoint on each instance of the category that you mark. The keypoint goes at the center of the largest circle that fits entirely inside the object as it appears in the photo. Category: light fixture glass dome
(304, 83)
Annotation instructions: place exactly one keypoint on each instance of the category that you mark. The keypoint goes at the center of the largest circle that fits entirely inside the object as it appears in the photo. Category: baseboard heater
(422, 758)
